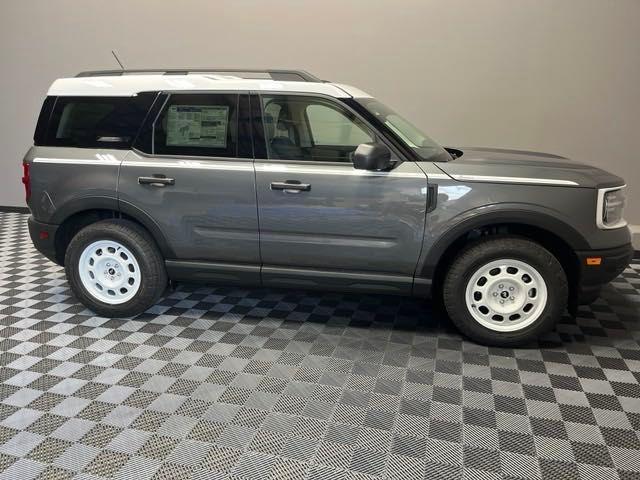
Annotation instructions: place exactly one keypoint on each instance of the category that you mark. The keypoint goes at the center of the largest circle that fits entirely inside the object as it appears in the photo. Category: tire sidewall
(475, 257)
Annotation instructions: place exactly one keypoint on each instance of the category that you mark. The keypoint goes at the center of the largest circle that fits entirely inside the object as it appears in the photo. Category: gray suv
(278, 179)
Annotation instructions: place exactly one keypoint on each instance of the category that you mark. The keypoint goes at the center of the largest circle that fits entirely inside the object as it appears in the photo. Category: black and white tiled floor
(234, 383)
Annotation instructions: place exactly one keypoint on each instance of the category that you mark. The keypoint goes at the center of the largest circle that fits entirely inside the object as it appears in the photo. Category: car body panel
(517, 166)
(67, 180)
(209, 213)
(349, 220)
(465, 205)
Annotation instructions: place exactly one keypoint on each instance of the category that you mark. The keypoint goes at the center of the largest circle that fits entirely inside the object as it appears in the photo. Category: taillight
(26, 179)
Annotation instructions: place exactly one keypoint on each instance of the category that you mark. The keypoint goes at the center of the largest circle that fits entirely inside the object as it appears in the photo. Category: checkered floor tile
(253, 383)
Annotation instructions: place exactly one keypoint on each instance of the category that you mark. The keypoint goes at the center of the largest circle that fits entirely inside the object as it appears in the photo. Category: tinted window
(198, 125)
(98, 122)
(40, 135)
(311, 128)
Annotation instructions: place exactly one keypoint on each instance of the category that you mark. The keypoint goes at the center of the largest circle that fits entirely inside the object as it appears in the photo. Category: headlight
(610, 207)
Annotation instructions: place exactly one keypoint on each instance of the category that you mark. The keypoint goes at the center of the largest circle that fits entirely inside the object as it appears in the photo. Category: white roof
(130, 85)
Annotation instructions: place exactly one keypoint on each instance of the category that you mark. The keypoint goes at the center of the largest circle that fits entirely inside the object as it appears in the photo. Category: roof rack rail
(280, 75)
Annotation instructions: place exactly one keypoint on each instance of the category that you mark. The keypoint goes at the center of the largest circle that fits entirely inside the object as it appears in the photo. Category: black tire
(140, 243)
(483, 252)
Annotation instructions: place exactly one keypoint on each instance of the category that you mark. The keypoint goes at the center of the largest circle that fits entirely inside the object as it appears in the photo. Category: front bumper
(593, 277)
(43, 236)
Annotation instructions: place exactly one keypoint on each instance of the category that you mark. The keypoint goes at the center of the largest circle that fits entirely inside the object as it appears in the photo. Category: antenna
(117, 59)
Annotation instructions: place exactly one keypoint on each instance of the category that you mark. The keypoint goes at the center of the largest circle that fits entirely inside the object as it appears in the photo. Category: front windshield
(420, 143)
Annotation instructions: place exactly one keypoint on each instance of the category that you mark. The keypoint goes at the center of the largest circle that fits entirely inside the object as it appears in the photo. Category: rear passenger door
(192, 173)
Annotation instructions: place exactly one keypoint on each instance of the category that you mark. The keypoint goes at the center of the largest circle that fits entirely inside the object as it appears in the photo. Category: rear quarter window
(97, 122)
(40, 135)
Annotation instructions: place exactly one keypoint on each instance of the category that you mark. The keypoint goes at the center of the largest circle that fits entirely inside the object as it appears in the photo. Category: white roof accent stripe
(130, 85)
(100, 159)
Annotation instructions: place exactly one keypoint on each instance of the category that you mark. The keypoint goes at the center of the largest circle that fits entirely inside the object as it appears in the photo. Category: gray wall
(550, 75)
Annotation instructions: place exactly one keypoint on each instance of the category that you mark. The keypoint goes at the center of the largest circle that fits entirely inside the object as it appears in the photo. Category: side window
(97, 122)
(299, 127)
(330, 126)
(198, 125)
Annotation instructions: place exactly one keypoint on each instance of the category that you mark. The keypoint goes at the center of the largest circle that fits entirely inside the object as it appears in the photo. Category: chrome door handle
(291, 186)
(156, 181)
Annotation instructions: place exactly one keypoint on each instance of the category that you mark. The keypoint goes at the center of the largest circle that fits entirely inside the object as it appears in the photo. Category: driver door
(323, 223)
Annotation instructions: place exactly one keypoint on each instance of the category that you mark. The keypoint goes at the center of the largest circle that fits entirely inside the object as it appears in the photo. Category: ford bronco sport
(276, 178)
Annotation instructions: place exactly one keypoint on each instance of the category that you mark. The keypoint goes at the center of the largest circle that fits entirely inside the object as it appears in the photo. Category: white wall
(550, 75)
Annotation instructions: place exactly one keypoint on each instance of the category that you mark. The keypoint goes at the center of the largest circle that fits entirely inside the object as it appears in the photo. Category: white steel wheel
(109, 272)
(506, 295)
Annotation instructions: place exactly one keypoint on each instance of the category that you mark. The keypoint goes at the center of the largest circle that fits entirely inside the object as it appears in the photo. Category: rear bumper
(43, 236)
(594, 277)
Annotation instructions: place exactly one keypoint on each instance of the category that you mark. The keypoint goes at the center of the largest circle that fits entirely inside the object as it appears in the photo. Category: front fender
(487, 215)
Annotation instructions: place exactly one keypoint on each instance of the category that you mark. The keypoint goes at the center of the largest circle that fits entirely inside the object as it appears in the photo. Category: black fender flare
(475, 220)
(80, 204)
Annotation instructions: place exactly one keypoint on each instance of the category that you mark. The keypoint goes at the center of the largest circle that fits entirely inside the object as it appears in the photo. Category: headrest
(283, 124)
(269, 127)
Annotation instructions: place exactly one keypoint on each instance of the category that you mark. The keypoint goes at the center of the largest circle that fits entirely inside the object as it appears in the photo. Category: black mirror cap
(372, 156)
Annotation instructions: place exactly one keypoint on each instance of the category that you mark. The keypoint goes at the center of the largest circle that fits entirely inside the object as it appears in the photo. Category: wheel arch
(78, 213)
(561, 239)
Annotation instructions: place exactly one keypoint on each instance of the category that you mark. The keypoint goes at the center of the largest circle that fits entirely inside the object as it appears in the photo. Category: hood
(499, 165)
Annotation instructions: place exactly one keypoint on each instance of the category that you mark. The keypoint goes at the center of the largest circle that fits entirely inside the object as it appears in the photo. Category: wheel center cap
(504, 294)
(112, 272)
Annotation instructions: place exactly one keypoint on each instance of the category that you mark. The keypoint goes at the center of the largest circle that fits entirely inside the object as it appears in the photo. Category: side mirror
(372, 156)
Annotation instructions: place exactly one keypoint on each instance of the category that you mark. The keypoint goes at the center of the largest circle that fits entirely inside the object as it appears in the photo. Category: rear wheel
(505, 291)
(115, 268)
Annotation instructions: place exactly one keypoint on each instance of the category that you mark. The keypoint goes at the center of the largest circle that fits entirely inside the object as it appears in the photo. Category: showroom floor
(236, 383)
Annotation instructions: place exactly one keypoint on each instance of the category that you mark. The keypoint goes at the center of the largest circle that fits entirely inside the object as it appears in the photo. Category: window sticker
(197, 125)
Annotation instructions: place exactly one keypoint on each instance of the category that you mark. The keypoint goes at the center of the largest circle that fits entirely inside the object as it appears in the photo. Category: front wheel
(115, 268)
(505, 291)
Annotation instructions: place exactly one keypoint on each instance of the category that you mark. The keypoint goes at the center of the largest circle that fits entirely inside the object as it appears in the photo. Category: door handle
(156, 181)
(291, 186)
